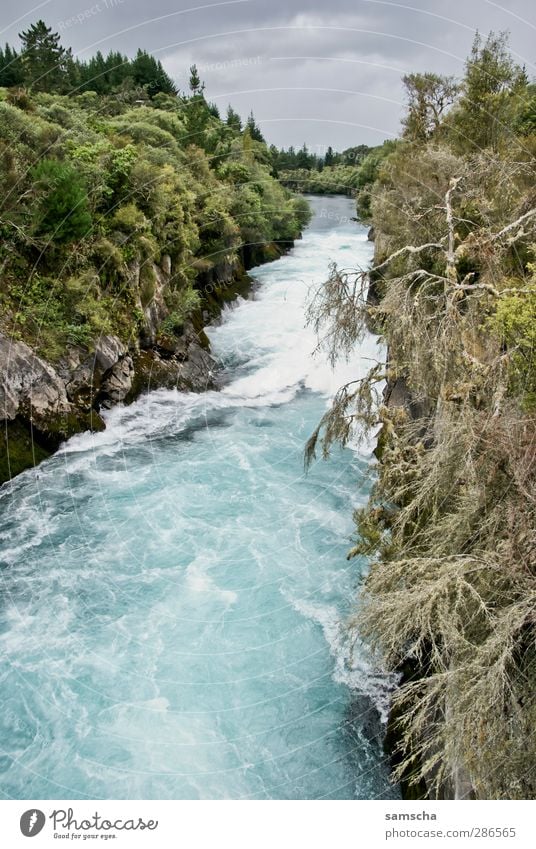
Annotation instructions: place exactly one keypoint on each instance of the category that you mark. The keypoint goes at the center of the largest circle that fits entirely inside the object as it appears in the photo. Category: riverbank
(121, 239)
(191, 581)
(44, 404)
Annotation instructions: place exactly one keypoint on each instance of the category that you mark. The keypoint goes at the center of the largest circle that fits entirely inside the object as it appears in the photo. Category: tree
(10, 67)
(117, 69)
(429, 95)
(62, 214)
(43, 58)
(196, 86)
(491, 88)
(233, 119)
(93, 74)
(147, 71)
(253, 128)
(304, 159)
(329, 157)
(451, 592)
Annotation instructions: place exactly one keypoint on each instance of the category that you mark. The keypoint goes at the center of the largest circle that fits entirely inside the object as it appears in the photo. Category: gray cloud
(324, 73)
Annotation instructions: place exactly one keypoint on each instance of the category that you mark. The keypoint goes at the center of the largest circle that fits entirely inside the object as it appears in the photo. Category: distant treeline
(304, 159)
(42, 64)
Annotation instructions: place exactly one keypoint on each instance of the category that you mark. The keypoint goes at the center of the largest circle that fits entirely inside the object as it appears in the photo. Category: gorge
(175, 587)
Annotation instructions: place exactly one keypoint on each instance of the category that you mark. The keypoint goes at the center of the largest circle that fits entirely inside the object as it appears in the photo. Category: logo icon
(31, 822)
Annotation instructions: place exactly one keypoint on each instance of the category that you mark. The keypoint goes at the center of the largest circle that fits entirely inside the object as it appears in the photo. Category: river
(175, 589)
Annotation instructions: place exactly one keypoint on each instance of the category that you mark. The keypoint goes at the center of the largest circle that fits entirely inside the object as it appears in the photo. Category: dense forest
(450, 529)
(125, 207)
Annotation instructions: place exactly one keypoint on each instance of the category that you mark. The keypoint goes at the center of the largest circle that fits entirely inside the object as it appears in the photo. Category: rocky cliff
(42, 403)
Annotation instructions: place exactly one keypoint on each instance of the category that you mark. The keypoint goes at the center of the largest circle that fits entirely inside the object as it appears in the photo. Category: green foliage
(514, 323)
(525, 121)
(429, 95)
(99, 187)
(491, 89)
(196, 86)
(183, 302)
(61, 213)
(450, 526)
(254, 129)
(11, 71)
(43, 59)
(51, 315)
(366, 176)
(336, 179)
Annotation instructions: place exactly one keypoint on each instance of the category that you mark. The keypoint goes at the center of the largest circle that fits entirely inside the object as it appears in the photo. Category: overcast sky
(323, 71)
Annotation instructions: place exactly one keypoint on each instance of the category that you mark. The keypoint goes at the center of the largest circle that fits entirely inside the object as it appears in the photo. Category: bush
(62, 214)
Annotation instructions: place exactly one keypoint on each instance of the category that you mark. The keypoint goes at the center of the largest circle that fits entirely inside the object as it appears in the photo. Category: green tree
(62, 213)
(329, 157)
(147, 71)
(304, 159)
(492, 86)
(233, 119)
(44, 60)
(253, 128)
(11, 73)
(195, 83)
(429, 95)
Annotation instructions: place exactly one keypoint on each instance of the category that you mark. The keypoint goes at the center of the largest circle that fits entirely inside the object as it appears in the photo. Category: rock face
(42, 404)
(118, 382)
(29, 387)
(36, 409)
(183, 364)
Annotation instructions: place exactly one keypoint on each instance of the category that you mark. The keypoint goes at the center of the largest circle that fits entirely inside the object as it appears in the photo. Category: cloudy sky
(322, 71)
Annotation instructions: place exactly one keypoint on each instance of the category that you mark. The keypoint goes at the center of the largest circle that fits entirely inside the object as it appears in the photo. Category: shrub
(62, 214)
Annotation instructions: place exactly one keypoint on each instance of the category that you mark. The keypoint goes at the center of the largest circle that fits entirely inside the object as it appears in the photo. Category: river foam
(175, 589)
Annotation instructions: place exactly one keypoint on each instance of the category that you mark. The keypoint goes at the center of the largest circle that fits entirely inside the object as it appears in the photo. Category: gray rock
(166, 264)
(28, 386)
(156, 310)
(108, 351)
(117, 383)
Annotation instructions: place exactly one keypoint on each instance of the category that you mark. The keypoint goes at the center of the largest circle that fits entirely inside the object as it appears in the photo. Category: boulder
(118, 382)
(108, 351)
(29, 386)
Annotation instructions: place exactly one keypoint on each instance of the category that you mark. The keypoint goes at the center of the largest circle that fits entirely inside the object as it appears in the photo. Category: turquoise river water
(174, 590)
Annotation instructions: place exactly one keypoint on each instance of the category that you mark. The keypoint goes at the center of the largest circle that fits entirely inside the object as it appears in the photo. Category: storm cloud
(315, 72)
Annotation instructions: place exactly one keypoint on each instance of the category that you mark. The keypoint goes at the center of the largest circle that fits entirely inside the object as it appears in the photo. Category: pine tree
(196, 86)
(43, 58)
(254, 130)
(93, 74)
(147, 71)
(303, 158)
(233, 119)
(10, 68)
(164, 82)
(117, 69)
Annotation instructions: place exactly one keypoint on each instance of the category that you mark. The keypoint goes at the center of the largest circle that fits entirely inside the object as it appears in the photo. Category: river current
(174, 590)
